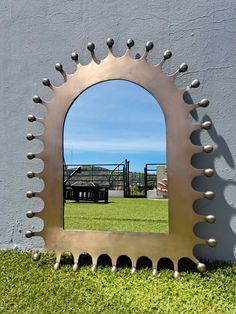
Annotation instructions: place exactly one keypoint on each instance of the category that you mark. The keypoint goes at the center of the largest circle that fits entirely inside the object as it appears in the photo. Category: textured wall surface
(37, 34)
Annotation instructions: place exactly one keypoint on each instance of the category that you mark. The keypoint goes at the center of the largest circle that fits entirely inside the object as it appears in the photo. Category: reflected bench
(86, 193)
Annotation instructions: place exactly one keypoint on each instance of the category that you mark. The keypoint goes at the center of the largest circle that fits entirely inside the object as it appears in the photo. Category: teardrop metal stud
(113, 269)
(94, 268)
(75, 267)
(91, 46)
(46, 82)
(167, 54)
(37, 99)
(211, 242)
(59, 67)
(30, 194)
(30, 174)
(30, 136)
(149, 45)
(210, 219)
(208, 149)
(201, 267)
(208, 172)
(130, 43)
(74, 56)
(133, 270)
(30, 214)
(204, 102)
(176, 274)
(195, 84)
(183, 68)
(206, 125)
(36, 257)
(31, 118)
(30, 156)
(110, 42)
(154, 272)
(29, 234)
(56, 266)
(209, 195)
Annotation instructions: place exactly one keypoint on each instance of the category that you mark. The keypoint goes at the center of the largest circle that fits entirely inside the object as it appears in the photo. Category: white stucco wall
(37, 34)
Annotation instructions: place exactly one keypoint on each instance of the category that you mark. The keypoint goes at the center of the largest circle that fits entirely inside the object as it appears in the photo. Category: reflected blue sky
(113, 121)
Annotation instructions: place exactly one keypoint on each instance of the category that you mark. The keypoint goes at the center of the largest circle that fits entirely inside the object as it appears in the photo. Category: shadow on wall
(224, 229)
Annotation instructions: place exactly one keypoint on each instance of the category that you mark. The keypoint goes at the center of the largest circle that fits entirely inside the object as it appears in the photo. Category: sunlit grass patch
(120, 214)
(29, 287)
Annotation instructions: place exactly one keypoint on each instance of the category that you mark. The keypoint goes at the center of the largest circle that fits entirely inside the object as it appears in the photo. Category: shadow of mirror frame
(180, 240)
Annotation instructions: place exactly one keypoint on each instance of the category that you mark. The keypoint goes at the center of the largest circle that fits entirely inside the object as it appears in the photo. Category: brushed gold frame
(180, 240)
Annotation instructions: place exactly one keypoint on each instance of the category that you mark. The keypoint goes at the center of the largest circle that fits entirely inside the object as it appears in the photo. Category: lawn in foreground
(29, 287)
(120, 214)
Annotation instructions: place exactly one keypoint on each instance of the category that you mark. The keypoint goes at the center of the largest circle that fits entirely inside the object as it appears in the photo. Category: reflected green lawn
(120, 214)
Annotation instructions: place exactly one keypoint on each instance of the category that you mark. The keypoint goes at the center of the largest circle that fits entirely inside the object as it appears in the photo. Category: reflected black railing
(114, 176)
(109, 175)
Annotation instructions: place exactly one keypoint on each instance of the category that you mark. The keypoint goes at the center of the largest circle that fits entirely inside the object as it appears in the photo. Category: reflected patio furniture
(86, 193)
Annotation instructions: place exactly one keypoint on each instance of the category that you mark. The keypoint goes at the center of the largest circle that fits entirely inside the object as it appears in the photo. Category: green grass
(120, 214)
(30, 287)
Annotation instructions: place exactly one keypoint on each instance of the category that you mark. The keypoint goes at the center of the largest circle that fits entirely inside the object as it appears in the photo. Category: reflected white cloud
(113, 121)
(142, 145)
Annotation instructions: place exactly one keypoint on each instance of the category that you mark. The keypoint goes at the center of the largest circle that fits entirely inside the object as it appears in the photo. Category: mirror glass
(115, 172)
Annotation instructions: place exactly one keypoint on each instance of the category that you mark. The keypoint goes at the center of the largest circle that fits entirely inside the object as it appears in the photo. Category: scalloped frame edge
(180, 240)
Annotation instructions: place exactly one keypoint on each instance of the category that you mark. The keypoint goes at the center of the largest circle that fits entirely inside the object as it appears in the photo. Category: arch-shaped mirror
(115, 160)
(180, 240)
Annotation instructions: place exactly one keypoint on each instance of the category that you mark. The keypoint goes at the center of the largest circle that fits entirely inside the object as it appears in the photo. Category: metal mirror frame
(180, 240)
